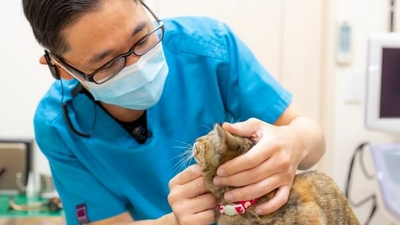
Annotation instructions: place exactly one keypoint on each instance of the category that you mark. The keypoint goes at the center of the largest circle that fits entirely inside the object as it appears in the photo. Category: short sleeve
(249, 90)
(75, 185)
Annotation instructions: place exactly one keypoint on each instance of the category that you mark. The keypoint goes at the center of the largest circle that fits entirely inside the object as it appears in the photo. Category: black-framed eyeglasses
(114, 66)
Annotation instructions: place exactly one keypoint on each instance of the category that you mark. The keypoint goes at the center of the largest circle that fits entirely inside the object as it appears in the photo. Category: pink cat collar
(237, 208)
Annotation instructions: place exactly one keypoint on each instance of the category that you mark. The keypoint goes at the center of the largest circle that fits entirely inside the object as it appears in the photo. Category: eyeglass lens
(112, 68)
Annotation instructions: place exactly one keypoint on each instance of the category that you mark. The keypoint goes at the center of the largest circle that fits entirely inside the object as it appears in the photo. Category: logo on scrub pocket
(81, 214)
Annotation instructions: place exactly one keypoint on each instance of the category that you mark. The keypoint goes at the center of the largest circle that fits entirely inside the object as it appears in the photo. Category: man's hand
(189, 199)
(271, 164)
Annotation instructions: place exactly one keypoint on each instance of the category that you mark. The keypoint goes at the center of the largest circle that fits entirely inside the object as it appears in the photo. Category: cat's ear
(223, 135)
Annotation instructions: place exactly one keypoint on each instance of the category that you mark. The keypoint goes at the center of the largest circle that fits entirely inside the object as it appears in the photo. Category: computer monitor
(15, 164)
(382, 108)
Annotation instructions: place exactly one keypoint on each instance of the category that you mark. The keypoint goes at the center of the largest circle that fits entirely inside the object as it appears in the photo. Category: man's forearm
(313, 141)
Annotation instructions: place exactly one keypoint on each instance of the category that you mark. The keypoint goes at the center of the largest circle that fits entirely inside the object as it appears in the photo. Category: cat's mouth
(195, 153)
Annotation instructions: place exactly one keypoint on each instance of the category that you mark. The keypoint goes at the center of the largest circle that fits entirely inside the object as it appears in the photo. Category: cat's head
(218, 147)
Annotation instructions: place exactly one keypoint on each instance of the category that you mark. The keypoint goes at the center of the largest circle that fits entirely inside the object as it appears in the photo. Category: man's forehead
(99, 32)
(101, 54)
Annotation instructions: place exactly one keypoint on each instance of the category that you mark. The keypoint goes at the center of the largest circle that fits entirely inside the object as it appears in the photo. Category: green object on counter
(6, 211)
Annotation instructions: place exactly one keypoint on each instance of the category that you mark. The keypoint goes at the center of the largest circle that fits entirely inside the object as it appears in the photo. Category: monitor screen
(382, 102)
(390, 84)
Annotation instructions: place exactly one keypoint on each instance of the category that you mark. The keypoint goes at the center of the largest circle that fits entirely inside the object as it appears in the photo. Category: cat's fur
(314, 197)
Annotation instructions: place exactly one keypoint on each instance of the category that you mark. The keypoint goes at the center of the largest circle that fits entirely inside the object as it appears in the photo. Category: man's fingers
(281, 197)
(191, 173)
(205, 217)
(189, 198)
(197, 204)
(198, 210)
(253, 191)
(189, 190)
(258, 154)
(244, 129)
(247, 177)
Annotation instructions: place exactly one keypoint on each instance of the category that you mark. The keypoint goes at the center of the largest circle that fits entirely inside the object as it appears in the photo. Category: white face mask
(138, 86)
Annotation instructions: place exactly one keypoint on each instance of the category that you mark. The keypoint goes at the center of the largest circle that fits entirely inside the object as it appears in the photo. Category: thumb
(243, 129)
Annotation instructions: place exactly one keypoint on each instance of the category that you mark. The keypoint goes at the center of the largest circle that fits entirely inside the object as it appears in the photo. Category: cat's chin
(201, 164)
(198, 161)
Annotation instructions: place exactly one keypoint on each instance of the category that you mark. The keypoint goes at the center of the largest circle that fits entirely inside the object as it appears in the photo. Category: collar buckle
(238, 208)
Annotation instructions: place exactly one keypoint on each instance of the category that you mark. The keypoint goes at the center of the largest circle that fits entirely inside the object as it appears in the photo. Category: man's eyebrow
(100, 56)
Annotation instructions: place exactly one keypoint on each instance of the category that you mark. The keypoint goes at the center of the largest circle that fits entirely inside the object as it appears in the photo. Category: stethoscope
(138, 134)
(51, 205)
(64, 105)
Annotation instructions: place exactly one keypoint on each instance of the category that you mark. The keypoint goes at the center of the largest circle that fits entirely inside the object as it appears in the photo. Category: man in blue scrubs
(132, 94)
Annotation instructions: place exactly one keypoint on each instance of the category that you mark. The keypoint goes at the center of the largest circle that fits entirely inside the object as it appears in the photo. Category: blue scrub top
(213, 77)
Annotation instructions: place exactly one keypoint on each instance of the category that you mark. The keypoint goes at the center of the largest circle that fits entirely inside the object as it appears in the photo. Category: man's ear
(61, 72)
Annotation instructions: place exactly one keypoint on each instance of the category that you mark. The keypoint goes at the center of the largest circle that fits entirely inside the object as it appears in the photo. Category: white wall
(261, 29)
(344, 121)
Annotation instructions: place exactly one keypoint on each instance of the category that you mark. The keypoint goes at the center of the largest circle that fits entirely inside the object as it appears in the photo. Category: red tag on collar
(238, 208)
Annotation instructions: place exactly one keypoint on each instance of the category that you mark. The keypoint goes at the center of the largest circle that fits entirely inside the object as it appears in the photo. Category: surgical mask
(138, 86)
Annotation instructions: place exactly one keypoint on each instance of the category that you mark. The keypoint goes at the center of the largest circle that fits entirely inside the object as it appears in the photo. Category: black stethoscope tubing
(64, 107)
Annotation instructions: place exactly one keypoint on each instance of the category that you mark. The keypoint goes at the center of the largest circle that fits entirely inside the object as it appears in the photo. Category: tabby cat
(314, 197)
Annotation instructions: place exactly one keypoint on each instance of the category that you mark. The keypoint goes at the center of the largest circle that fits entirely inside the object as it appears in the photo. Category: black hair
(48, 18)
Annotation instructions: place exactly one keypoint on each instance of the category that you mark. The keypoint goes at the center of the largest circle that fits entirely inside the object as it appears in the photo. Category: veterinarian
(133, 92)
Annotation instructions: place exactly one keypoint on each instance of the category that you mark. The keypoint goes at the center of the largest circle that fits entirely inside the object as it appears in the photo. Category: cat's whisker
(188, 151)
(180, 161)
(237, 120)
(209, 120)
(183, 162)
(208, 128)
(184, 143)
(181, 147)
(185, 157)
(222, 120)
